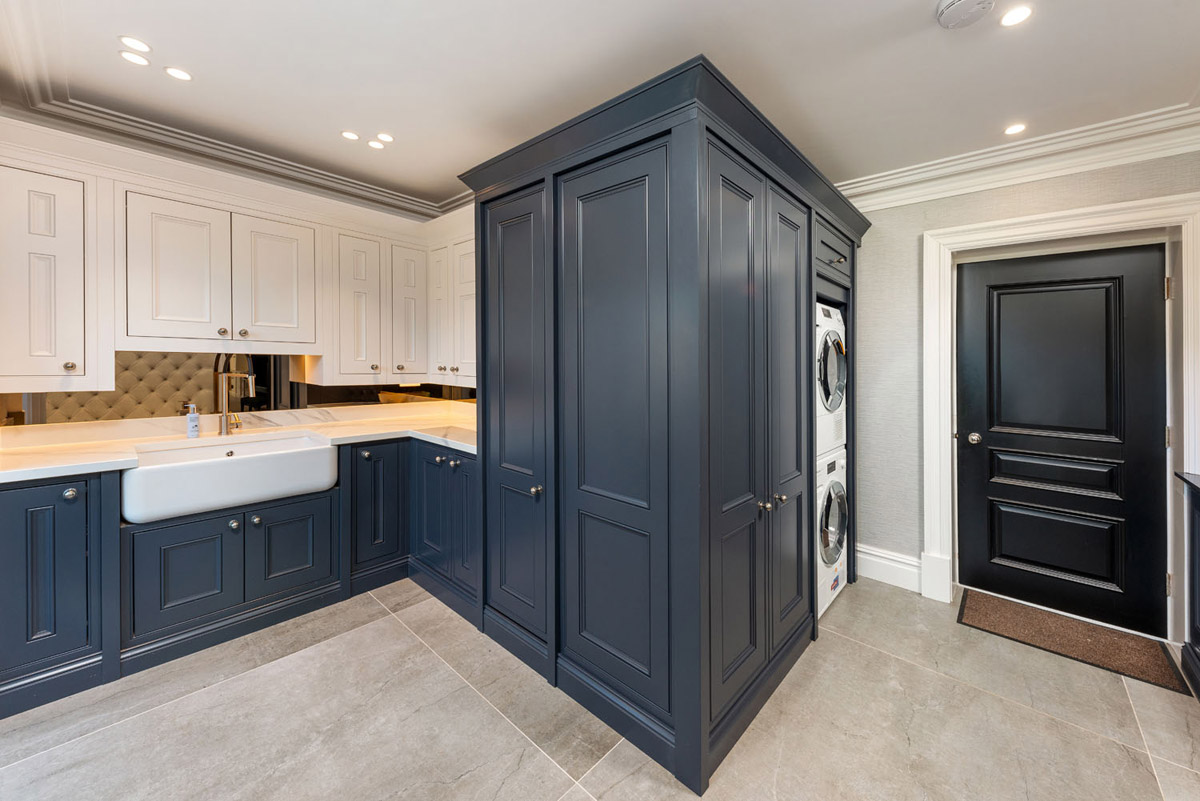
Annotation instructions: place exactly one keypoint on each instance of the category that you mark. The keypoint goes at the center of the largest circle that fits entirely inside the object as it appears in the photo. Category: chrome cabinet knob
(439, 459)
(399, 367)
(454, 369)
(781, 499)
(374, 367)
(366, 454)
(222, 331)
(765, 506)
(70, 494)
(536, 491)
(256, 520)
(242, 332)
(974, 438)
(235, 525)
(68, 366)
(441, 368)
(455, 463)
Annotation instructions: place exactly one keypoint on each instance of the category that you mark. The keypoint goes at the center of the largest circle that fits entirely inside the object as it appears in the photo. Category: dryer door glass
(831, 371)
(835, 515)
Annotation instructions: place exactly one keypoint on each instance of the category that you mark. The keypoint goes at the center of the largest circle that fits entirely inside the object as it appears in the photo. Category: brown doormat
(1130, 655)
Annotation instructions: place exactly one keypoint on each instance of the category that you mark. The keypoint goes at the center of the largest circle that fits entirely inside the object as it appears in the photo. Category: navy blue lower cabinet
(646, 282)
(446, 523)
(183, 572)
(288, 546)
(376, 510)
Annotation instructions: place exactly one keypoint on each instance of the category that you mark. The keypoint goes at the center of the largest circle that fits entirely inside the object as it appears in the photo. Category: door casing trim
(1180, 216)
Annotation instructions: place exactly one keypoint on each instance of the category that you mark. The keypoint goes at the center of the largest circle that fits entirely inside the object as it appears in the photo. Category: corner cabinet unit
(646, 276)
(446, 525)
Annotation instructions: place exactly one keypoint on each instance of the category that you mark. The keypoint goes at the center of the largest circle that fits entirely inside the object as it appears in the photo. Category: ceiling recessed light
(134, 44)
(376, 145)
(175, 72)
(1015, 128)
(384, 137)
(1015, 16)
(351, 135)
(134, 58)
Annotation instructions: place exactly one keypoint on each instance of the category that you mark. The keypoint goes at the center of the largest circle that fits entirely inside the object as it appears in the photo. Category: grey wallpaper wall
(888, 400)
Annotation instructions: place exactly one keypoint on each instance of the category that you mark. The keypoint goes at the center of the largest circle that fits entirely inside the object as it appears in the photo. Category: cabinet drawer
(288, 546)
(44, 573)
(183, 572)
(831, 250)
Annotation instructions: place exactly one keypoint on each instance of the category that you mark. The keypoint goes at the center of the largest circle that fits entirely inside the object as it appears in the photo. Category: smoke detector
(955, 14)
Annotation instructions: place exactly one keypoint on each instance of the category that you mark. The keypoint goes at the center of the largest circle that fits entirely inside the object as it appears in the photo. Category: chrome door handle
(455, 463)
(256, 520)
(70, 494)
(974, 438)
(374, 367)
(366, 454)
(765, 506)
(781, 499)
(537, 490)
(222, 331)
(243, 333)
(399, 367)
(69, 366)
(439, 459)
(454, 369)
(235, 525)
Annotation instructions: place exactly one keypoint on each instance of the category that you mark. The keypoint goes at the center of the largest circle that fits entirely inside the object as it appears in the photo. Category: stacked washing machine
(832, 505)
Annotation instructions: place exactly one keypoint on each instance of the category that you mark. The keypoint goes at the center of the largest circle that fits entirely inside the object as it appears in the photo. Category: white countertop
(69, 449)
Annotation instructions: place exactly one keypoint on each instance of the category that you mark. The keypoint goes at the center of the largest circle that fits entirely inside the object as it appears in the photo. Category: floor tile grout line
(587, 772)
(194, 692)
(520, 731)
(935, 672)
(1176, 764)
(1142, 732)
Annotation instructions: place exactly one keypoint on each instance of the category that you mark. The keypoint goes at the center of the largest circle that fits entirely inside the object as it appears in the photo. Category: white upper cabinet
(178, 274)
(441, 324)
(410, 341)
(41, 275)
(359, 311)
(462, 265)
(274, 281)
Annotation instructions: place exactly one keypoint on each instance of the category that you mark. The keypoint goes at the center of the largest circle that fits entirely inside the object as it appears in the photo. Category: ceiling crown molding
(1151, 135)
(43, 96)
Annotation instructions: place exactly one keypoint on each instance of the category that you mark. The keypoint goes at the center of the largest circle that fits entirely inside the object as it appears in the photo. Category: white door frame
(1180, 214)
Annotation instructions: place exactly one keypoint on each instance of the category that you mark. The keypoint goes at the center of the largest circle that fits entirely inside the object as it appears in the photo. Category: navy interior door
(613, 382)
(519, 487)
(1061, 423)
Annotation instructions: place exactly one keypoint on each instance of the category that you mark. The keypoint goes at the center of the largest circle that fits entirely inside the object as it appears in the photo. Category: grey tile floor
(392, 696)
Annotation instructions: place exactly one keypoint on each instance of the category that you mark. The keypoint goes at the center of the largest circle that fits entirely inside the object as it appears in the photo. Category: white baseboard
(937, 577)
(890, 567)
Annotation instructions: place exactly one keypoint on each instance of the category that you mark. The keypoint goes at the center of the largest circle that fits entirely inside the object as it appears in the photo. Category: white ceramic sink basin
(183, 478)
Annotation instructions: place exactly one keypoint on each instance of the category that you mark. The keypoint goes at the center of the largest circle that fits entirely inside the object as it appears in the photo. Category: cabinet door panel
(462, 264)
(288, 546)
(431, 540)
(178, 273)
(44, 560)
(441, 342)
(613, 377)
(376, 513)
(517, 517)
(184, 572)
(466, 528)
(788, 325)
(737, 430)
(274, 281)
(410, 341)
(42, 272)
(359, 311)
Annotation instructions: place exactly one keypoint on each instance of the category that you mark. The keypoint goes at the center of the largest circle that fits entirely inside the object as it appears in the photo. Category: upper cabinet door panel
(441, 348)
(410, 341)
(462, 265)
(42, 272)
(359, 312)
(178, 276)
(274, 281)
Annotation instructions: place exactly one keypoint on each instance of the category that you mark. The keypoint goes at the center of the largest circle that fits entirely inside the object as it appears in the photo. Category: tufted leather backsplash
(148, 385)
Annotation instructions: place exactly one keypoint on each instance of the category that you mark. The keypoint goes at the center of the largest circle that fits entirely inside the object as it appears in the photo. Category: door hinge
(1167, 288)
(1168, 585)
(1167, 437)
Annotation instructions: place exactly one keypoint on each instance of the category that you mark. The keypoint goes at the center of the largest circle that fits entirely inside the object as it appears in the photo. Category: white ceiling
(860, 86)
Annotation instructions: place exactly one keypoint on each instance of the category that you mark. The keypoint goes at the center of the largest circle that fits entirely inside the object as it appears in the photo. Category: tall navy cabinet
(647, 275)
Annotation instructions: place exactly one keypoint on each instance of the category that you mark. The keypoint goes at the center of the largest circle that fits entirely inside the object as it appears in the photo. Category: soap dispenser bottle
(193, 421)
